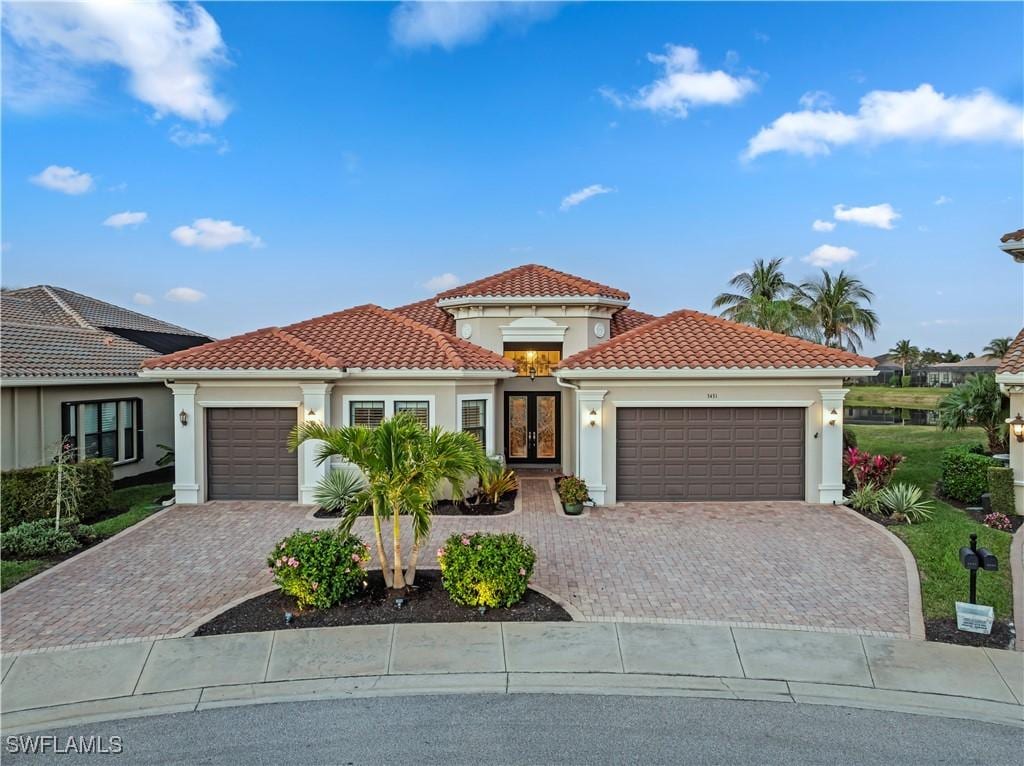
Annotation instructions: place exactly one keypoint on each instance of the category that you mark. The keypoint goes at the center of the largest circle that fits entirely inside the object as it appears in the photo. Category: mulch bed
(449, 508)
(885, 521)
(426, 601)
(979, 516)
(945, 630)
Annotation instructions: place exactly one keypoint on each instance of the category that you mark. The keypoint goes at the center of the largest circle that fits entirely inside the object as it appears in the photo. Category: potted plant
(572, 491)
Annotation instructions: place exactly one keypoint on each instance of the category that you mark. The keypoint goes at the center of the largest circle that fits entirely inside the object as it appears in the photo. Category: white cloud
(168, 49)
(886, 115)
(878, 216)
(817, 99)
(188, 139)
(143, 299)
(63, 179)
(442, 282)
(941, 322)
(583, 195)
(210, 234)
(451, 24)
(184, 295)
(820, 225)
(127, 218)
(942, 199)
(829, 255)
(683, 85)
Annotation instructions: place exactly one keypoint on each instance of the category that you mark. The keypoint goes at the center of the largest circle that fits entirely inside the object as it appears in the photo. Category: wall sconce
(183, 418)
(1016, 427)
(531, 357)
(311, 415)
(833, 417)
(593, 418)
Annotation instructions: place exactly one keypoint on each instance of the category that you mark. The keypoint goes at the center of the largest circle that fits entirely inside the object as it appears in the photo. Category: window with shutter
(103, 429)
(474, 418)
(419, 410)
(369, 414)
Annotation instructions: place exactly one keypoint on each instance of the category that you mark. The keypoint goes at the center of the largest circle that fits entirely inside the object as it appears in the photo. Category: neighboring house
(545, 368)
(1013, 244)
(68, 368)
(946, 374)
(890, 372)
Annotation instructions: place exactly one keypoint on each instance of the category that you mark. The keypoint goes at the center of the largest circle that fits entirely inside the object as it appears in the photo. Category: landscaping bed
(426, 601)
(469, 507)
(946, 631)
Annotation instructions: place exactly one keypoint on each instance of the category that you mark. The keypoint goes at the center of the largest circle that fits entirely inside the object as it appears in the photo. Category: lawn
(936, 543)
(886, 396)
(140, 502)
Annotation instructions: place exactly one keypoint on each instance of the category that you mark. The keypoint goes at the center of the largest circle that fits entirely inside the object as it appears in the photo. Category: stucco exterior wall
(1017, 450)
(485, 325)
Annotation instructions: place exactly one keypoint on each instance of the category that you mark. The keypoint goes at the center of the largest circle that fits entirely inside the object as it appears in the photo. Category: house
(1010, 377)
(69, 368)
(545, 368)
(946, 374)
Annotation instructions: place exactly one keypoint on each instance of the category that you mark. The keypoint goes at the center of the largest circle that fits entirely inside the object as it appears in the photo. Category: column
(590, 441)
(830, 490)
(187, 471)
(316, 402)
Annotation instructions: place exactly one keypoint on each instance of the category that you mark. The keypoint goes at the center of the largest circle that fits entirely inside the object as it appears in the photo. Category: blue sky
(294, 159)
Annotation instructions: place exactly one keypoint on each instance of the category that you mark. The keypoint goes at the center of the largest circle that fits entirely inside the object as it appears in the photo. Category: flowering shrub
(486, 569)
(572, 490)
(866, 468)
(998, 521)
(319, 568)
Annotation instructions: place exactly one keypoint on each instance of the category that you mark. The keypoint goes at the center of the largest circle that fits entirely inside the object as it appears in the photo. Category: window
(369, 414)
(474, 419)
(534, 360)
(109, 429)
(420, 410)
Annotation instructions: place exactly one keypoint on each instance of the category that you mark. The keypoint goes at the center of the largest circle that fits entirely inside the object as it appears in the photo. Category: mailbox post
(974, 558)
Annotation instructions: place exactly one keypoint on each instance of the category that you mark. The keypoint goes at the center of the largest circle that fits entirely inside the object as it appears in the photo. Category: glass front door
(532, 427)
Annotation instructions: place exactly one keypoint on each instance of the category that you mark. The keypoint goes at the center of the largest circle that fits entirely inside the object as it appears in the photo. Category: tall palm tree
(976, 402)
(758, 290)
(998, 347)
(836, 305)
(905, 353)
(403, 464)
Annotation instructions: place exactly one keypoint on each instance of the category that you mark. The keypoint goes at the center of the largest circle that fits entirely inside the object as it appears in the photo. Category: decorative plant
(977, 401)
(1000, 490)
(906, 501)
(572, 490)
(867, 469)
(964, 473)
(489, 570)
(864, 499)
(998, 520)
(66, 484)
(496, 480)
(319, 568)
(338, 489)
(167, 458)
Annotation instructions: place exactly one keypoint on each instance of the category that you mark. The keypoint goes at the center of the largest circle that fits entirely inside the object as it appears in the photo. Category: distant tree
(836, 307)
(905, 353)
(930, 356)
(998, 347)
(969, 355)
(976, 402)
(950, 356)
(763, 298)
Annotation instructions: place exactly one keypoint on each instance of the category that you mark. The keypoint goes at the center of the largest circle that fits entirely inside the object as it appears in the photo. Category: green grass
(886, 396)
(140, 502)
(936, 543)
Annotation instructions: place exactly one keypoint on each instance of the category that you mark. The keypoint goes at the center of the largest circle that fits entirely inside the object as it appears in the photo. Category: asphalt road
(546, 729)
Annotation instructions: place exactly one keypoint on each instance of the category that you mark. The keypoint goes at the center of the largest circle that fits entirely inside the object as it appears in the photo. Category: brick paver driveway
(776, 564)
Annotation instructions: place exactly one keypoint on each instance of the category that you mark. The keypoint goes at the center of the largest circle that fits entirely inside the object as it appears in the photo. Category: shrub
(497, 480)
(338, 489)
(905, 501)
(849, 438)
(1000, 489)
(483, 569)
(866, 468)
(864, 499)
(998, 521)
(319, 568)
(39, 538)
(30, 493)
(964, 474)
(905, 381)
(572, 490)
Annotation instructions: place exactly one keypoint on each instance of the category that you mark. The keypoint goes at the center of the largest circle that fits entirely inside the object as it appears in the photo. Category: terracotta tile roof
(692, 340)
(427, 312)
(533, 280)
(1013, 362)
(366, 337)
(1013, 236)
(628, 319)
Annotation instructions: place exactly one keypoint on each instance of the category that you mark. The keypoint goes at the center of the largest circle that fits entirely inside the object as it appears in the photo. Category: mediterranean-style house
(1010, 377)
(68, 369)
(546, 368)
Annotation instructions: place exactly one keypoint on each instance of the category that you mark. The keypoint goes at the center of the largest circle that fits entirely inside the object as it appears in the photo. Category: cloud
(817, 99)
(451, 24)
(184, 295)
(63, 179)
(144, 299)
(941, 322)
(441, 282)
(127, 218)
(942, 199)
(820, 225)
(886, 115)
(829, 255)
(583, 195)
(683, 85)
(188, 139)
(168, 50)
(878, 216)
(210, 234)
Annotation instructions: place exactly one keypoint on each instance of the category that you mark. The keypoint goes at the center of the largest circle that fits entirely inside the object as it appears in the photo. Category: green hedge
(29, 493)
(1000, 488)
(964, 474)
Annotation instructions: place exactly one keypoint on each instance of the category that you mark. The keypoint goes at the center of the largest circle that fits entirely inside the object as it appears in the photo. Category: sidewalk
(60, 688)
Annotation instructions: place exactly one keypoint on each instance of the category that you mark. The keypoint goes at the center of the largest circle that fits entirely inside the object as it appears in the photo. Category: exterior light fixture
(1016, 427)
(311, 415)
(833, 417)
(593, 418)
(533, 372)
(531, 357)
(183, 418)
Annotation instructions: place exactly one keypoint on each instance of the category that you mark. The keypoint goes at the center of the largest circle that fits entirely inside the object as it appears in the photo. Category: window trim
(79, 405)
(383, 408)
(488, 417)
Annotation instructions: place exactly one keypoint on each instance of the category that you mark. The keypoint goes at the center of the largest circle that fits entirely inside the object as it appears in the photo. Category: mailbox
(987, 560)
(968, 558)
(973, 558)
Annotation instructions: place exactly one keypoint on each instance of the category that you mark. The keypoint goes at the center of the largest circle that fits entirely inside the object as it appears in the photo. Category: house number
(712, 396)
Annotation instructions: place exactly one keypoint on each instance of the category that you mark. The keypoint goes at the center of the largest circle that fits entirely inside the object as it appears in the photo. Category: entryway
(533, 427)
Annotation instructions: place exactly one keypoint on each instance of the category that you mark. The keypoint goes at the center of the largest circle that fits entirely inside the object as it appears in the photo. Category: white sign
(974, 618)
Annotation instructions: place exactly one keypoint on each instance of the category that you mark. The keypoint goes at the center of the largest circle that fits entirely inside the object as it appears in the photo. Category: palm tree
(403, 464)
(905, 353)
(931, 356)
(998, 347)
(758, 291)
(976, 402)
(835, 303)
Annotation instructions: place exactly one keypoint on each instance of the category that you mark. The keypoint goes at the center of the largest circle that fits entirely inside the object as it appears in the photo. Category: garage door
(710, 453)
(247, 455)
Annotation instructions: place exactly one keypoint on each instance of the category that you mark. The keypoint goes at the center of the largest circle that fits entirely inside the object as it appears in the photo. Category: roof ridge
(133, 312)
(206, 346)
(65, 307)
(308, 348)
(439, 337)
(572, 281)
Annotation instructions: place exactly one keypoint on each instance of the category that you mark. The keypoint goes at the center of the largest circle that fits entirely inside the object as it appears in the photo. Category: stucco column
(830, 490)
(590, 441)
(316, 400)
(187, 470)
(1017, 449)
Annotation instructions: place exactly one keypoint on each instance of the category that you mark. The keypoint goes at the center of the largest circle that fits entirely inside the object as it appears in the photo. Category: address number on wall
(712, 396)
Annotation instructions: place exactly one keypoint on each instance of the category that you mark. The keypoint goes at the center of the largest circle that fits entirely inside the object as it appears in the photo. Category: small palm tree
(836, 305)
(764, 284)
(998, 347)
(905, 353)
(403, 464)
(976, 402)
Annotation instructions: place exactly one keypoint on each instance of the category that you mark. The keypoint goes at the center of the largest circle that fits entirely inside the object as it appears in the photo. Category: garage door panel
(247, 454)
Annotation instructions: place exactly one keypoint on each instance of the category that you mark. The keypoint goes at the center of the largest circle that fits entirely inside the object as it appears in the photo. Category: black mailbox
(968, 558)
(988, 561)
(973, 558)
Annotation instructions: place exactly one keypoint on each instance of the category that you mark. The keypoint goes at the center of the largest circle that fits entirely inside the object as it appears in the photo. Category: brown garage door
(247, 455)
(710, 453)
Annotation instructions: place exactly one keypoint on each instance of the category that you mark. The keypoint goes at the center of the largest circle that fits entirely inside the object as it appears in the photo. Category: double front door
(532, 427)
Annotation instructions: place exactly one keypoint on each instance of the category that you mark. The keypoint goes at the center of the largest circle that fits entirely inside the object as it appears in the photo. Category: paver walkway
(763, 564)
